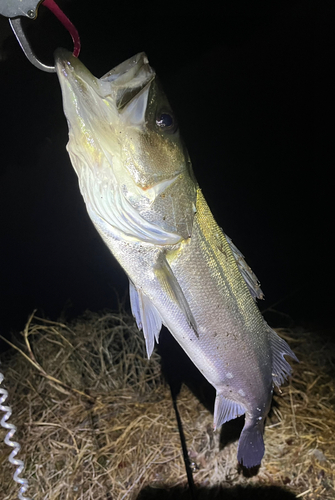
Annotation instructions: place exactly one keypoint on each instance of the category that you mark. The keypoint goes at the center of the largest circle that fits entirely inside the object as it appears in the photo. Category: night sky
(252, 88)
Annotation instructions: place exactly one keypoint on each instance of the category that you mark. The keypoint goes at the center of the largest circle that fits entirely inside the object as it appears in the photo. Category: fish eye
(166, 121)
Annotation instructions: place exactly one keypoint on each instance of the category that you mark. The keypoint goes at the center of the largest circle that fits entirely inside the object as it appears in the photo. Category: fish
(136, 178)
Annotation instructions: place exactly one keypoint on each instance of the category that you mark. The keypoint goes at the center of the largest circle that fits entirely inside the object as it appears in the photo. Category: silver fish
(140, 192)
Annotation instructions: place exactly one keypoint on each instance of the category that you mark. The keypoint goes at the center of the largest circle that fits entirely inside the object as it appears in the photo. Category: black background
(251, 84)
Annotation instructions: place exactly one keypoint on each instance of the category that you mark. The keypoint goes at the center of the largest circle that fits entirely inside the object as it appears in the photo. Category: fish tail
(251, 445)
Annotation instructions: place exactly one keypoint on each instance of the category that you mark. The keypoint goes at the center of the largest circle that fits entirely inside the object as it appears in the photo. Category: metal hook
(28, 8)
(25, 46)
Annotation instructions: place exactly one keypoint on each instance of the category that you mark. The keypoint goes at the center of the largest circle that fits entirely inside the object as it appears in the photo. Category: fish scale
(229, 323)
(141, 194)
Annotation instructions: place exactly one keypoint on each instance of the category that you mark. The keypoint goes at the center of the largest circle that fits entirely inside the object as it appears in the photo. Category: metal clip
(14, 10)
(24, 44)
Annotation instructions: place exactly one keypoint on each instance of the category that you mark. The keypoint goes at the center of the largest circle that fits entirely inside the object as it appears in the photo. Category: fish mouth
(134, 68)
(70, 68)
(122, 83)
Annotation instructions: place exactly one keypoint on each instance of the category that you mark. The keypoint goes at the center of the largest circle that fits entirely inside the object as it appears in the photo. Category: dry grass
(96, 421)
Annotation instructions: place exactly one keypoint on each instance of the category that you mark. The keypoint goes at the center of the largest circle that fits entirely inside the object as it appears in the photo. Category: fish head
(123, 136)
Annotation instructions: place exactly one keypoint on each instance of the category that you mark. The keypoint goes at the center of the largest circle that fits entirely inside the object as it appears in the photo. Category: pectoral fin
(171, 287)
(147, 317)
(135, 305)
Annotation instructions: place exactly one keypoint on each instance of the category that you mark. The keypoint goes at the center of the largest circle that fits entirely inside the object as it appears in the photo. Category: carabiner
(24, 44)
(16, 8)
(29, 8)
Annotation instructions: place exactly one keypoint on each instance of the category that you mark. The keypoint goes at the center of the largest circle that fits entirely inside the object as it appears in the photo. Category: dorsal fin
(281, 369)
(248, 275)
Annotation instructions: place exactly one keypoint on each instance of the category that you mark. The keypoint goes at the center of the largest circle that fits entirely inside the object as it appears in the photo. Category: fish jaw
(93, 108)
(122, 83)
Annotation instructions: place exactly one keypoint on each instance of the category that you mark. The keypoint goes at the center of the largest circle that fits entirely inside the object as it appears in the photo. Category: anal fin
(147, 317)
(225, 409)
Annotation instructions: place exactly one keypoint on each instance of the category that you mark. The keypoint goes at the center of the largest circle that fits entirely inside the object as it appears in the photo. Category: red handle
(51, 4)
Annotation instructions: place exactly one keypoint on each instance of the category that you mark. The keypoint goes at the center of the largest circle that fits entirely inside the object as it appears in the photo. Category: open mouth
(123, 82)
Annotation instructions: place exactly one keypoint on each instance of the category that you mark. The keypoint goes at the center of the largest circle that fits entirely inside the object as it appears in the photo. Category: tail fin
(251, 446)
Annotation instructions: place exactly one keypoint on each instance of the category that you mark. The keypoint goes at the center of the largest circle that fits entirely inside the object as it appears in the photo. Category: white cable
(8, 440)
